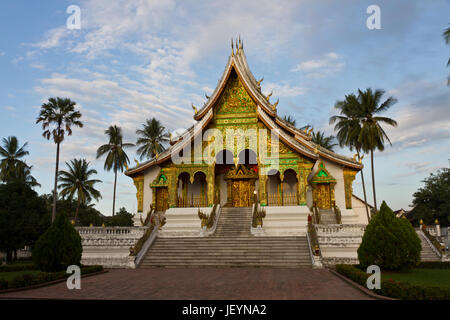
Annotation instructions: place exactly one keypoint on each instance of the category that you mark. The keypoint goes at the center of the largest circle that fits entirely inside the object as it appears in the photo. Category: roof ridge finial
(232, 49)
(237, 46)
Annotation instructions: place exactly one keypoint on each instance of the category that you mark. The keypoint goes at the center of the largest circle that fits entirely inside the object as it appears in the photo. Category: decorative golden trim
(139, 184)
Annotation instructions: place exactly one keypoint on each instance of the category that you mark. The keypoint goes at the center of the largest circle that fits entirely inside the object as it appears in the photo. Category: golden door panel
(162, 199)
(323, 196)
(241, 191)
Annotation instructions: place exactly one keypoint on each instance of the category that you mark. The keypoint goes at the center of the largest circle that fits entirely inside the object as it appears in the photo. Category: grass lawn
(427, 277)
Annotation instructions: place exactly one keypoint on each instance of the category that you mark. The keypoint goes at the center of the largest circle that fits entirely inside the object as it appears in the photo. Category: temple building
(240, 153)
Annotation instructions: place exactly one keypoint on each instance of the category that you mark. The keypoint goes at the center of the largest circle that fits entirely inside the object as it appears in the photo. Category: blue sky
(133, 60)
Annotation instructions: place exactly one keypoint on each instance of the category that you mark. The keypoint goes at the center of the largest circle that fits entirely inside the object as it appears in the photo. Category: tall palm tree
(372, 135)
(325, 142)
(446, 35)
(116, 158)
(11, 157)
(348, 128)
(290, 120)
(151, 139)
(77, 180)
(59, 113)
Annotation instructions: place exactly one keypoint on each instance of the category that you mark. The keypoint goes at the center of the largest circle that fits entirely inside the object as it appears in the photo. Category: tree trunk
(114, 196)
(15, 254)
(56, 183)
(364, 192)
(373, 183)
(76, 211)
(8, 256)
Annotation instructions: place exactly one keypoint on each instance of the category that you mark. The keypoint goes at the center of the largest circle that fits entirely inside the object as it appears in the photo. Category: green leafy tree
(116, 158)
(372, 136)
(23, 217)
(59, 247)
(60, 114)
(325, 142)
(122, 219)
(348, 128)
(77, 180)
(389, 242)
(432, 201)
(151, 139)
(446, 35)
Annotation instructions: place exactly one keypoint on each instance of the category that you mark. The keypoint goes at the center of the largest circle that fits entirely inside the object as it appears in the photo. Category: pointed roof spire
(232, 49)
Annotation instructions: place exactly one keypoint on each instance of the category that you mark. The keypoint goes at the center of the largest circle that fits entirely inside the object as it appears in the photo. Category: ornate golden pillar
(172, 186)
(302, 178)
(349, 176)
(139, 184)
(263, 189)
(210, 186)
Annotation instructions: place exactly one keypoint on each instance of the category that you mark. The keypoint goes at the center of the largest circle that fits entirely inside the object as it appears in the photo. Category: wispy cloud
(284, 90)
(330, 64)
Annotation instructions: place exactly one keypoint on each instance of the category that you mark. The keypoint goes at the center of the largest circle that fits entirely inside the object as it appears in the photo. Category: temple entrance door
(242, 190)
(323, 196)
(162, 202)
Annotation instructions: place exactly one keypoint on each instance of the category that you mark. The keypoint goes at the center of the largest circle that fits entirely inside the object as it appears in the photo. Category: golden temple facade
(260, 158)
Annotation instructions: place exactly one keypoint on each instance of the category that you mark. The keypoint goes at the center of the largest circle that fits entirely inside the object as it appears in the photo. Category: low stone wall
(108, 246)
(339, 242)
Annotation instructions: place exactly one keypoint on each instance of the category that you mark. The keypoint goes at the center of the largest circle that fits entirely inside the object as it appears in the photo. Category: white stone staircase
(427, 253)
(231, 245)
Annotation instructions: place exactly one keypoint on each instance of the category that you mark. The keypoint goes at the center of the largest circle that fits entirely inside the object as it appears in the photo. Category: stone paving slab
(203, 284)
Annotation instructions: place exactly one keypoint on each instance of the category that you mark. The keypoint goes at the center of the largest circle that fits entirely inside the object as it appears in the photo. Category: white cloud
(10, 108)
(53, 38)
(284, 90)
(330, 64)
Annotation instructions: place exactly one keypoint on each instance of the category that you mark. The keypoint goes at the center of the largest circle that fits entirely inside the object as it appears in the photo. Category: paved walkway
(204, 283)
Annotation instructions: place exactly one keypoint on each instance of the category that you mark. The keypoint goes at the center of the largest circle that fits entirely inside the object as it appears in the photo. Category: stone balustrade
(340, 230)
(339, 242)
(108, 246)
(111, 231)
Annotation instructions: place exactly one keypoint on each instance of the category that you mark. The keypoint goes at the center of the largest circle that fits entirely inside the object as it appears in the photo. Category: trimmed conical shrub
(389, 242)
(59, 247)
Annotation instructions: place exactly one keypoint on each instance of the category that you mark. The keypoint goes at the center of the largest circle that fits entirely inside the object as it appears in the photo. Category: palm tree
(325, 142)
(348, 128)
(77, 180)
(372, 135)
(290, 120)
(446, 35)
(59, 112)
(11, 154)
(116, 158)
(23, 174)
(151, 139)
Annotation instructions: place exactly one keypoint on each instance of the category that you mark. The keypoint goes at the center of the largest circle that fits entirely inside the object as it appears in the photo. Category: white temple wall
(359, 208)
(337, 172)
(149, 175)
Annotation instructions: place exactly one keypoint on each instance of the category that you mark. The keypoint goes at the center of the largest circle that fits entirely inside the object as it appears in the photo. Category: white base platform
(183, 222)
(285, 220)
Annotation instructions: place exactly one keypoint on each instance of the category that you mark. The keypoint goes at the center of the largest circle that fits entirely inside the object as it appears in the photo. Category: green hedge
(434, 265)
(17, 267)
(395, 289)
(26, 280)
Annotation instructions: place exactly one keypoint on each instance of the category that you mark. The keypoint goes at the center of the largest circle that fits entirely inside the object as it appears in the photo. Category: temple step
(232, 245)
(427, 254)
(282, 252)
